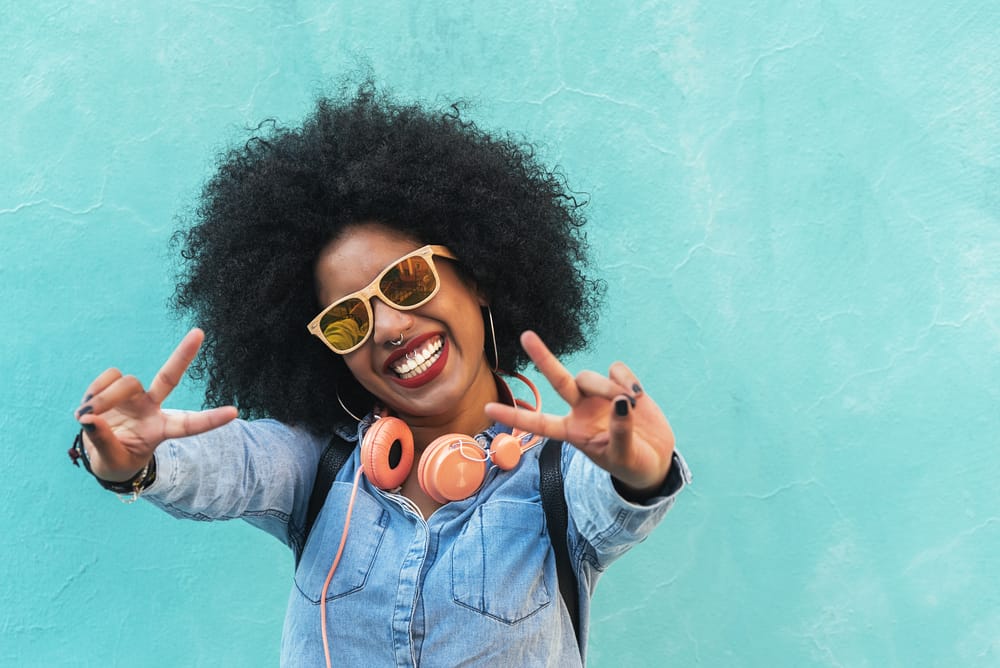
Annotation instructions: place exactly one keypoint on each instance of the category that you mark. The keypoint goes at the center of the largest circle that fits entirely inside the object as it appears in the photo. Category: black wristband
(133, 485)
(671, 485)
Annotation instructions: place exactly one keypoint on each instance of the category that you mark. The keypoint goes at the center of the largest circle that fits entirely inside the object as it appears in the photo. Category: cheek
(467, 319)
(359, 364)
(474, 331)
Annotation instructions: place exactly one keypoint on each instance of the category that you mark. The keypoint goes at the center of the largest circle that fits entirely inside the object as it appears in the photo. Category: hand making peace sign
(123, 422)
(611, 420)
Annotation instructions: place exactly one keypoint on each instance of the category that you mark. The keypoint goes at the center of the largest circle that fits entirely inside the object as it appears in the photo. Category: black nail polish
(621, 408)
(631, 400)
(85, 410)
(88, 398)
(636, 388)
(88, 427)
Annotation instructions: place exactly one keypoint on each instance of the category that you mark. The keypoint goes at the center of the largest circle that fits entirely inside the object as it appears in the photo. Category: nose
(388, 323)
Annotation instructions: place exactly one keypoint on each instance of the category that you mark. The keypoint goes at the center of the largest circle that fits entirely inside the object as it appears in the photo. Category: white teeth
(417, 361)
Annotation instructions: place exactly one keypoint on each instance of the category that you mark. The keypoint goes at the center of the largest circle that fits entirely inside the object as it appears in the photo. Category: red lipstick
(429, 374)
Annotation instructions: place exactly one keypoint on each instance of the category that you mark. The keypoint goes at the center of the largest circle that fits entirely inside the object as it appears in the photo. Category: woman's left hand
(611, 420)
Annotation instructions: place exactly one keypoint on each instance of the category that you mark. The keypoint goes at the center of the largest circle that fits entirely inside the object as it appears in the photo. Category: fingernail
(88, 427)
(636, 388)
(621, 408)
(631, 400)
(83, 411)
(88, 398)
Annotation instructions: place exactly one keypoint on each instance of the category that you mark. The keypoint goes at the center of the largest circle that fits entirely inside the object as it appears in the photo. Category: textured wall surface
(795, 206)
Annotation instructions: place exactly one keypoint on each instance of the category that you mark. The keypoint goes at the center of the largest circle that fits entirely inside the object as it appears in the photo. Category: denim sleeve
(261, 471)
(603, 525)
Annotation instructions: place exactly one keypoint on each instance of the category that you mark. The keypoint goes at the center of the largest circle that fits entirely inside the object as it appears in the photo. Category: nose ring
(395, 343)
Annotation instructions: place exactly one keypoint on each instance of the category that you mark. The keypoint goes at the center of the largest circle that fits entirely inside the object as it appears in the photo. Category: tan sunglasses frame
(366, 293)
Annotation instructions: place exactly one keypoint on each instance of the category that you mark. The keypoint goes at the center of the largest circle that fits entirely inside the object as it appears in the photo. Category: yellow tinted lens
(409, 283)
(346, 324)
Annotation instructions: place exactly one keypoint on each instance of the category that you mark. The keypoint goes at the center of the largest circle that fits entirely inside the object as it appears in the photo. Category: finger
(98, 432)
(594, 384)
(109, 458)
(559, 377)
(540, 424)
(119, 390)
(173, 369)
(620, 427)
(621, 374)
(107, 377)
(179, 425)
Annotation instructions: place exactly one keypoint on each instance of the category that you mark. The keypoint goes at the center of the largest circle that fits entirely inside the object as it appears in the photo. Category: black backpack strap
(334, 456)
(550, 484)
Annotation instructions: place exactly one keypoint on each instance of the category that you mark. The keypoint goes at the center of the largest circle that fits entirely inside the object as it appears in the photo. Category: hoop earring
(344, 406)
(493, 335)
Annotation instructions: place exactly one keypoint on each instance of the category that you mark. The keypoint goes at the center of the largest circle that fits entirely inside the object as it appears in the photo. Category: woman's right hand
(123, 422)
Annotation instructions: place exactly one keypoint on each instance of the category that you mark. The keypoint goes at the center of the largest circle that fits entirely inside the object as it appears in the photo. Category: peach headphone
(453, 466)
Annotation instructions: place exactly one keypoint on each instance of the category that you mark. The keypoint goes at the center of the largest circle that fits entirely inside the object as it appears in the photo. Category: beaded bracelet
(127, 490)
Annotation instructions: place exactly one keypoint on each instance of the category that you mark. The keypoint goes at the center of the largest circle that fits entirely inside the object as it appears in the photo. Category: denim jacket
(475, 584)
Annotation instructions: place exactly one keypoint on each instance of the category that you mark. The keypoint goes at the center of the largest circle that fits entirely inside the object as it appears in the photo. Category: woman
(366, 277)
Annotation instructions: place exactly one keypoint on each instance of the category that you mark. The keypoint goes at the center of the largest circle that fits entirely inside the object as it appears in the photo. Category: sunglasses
(408, 283)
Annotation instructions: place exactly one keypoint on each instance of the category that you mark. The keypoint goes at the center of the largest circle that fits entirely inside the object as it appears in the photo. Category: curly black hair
(272, 205)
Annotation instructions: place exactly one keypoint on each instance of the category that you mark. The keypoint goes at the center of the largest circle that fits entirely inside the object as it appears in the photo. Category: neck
(467, 417)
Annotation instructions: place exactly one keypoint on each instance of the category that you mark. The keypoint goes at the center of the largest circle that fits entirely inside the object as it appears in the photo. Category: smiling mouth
(417, 361)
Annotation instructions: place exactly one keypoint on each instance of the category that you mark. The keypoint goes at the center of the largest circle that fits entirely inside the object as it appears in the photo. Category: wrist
(636, 494)
(673, 480)
(129, 489)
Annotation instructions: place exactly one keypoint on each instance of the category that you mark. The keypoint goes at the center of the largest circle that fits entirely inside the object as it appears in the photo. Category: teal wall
(795, 205)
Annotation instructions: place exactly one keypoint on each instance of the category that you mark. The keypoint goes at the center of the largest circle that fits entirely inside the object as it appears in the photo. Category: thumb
(109, 458)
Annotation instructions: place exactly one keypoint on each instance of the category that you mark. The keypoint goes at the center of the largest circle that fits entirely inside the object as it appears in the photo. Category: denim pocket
(368, 524)
(498, 562)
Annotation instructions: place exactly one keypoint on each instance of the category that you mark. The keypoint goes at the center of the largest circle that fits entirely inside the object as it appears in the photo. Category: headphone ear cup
(452, 468)
(387, 453)
(505, 451)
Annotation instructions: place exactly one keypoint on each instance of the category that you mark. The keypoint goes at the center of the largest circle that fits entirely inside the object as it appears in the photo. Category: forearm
(261, 471)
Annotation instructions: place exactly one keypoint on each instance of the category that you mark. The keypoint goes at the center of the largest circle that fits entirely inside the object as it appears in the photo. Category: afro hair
(248, 254)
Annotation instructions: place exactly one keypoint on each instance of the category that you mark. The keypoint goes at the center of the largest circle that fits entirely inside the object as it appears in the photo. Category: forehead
(356, 257)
